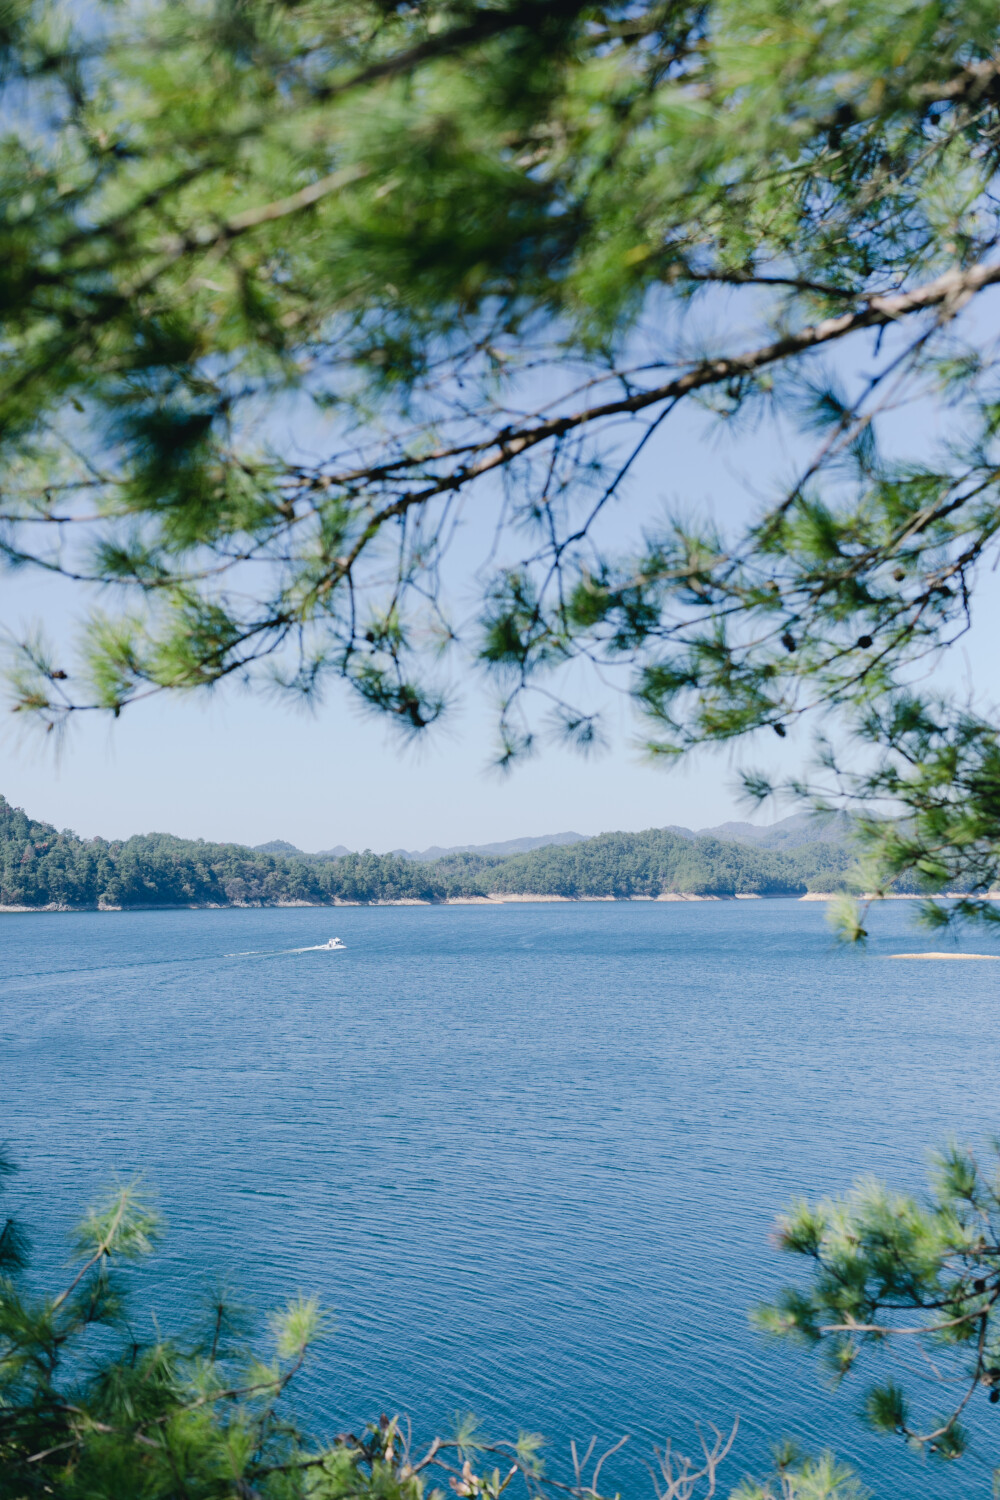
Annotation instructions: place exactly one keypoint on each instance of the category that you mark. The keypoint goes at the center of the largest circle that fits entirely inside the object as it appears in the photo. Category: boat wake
(333, 946)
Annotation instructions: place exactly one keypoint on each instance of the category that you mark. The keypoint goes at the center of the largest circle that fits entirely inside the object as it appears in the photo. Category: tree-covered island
(42, 867)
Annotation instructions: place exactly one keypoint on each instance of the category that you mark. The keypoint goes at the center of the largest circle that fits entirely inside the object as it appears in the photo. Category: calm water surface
(530, 1154)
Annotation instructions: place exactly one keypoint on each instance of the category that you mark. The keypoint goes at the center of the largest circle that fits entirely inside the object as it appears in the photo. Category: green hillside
(657, 861)
(39, 867)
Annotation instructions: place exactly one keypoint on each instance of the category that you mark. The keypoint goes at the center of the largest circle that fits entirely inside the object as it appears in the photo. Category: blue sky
(247, 768)
(235, 766)
(243, 768)
(239, 769)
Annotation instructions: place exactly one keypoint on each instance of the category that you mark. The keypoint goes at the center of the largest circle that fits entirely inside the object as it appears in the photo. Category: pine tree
(488, 251)
(92, 1410)
(896, 1274)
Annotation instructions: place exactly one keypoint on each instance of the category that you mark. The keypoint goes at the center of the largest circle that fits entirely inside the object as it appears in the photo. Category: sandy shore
(897, 896)
(493, 900)
(989, 958)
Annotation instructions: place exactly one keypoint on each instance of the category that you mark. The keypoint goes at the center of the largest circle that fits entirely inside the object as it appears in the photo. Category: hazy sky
(236, 769)
(234, 766)
(249, 769)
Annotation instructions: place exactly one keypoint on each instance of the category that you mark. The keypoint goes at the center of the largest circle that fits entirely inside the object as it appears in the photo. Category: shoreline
(504, 899)
(491, 900)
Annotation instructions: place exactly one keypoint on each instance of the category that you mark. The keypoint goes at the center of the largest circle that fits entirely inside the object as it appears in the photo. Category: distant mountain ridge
(788, 833)
(507, 846)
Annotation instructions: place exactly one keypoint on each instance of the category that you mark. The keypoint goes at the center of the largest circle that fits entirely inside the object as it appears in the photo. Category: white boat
(331, 947)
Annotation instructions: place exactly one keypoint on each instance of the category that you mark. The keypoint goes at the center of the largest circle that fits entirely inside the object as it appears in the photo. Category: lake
(528, 1155)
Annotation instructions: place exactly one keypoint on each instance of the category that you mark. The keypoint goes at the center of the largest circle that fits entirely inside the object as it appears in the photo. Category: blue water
(529, 1155)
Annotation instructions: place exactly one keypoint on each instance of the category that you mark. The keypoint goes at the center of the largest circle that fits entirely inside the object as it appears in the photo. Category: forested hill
(658, 861)
(40, 867)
